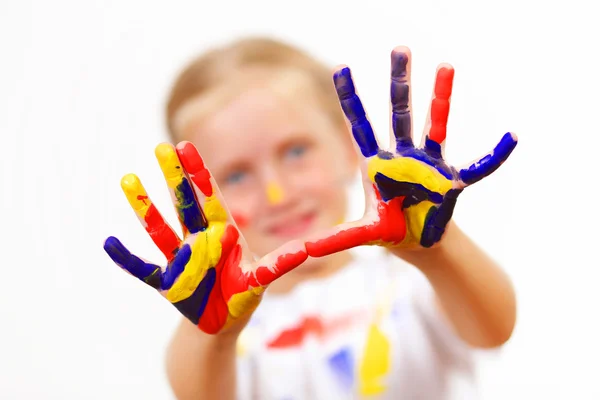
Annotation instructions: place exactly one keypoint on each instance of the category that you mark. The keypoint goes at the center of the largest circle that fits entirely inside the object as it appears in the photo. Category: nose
(274, 192)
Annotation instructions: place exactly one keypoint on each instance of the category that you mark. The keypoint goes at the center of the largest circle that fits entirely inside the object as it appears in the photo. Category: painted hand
(210, 277)
(410, 191)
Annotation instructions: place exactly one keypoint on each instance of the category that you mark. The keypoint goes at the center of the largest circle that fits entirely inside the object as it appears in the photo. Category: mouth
(293, 227)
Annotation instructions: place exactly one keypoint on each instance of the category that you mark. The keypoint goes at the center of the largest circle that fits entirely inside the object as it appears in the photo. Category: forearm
(473, 292)
(202, 366)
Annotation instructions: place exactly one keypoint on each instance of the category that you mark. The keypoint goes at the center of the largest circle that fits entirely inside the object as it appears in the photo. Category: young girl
(396, 319)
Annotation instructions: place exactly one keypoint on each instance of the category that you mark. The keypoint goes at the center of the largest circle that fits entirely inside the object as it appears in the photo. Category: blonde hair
(221, 73)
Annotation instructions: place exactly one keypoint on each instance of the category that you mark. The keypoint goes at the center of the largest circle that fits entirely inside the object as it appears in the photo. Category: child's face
(281, 165)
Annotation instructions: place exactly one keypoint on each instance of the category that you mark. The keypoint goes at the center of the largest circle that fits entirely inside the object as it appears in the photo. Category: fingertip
(401, 50)
(110, 242)
(342, 80)
(400, 58)
(340, 67)
(115, 250)
(130, 182)
(184, 144)
(164, 150)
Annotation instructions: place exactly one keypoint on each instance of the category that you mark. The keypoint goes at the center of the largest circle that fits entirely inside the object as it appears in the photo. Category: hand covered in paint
(410, 191)
(210, 276)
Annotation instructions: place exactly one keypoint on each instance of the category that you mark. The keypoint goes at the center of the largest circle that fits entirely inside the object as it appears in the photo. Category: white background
(82, 90)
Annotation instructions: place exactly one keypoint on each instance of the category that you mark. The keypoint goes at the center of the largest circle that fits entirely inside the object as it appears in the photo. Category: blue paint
(490, 162)
(354, 111)
(385, 155)
(433, 148)
(400, 95)
(146, 272)
(437, 219)
(193, 307)
(414, 192)
(188, 208)
(437, 163)
(176, 267)
(342, 364)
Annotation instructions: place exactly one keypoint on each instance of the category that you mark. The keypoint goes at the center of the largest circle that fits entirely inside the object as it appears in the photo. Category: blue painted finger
(146, 272)
(491, 162)
(188, 208)
(176, 267)
(193, 307)
(437, 219)
(354, 111)
(400, 95)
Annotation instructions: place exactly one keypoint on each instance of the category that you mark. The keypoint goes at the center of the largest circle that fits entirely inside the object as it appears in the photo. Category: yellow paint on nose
(274, 193)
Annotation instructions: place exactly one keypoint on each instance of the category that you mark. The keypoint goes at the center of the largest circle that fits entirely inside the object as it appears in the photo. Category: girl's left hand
(410, 191)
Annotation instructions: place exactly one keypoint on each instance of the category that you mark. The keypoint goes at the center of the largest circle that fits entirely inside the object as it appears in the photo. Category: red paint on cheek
(162, 235)
(240, 219)
(390, 229)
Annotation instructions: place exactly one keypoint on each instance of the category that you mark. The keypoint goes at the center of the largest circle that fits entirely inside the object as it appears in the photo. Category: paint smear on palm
(376, 361)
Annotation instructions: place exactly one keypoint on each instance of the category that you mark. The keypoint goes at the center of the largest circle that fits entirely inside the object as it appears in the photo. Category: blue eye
(235, 177)
(296, 151)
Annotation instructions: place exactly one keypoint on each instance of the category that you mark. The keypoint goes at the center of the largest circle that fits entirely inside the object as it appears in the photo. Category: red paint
(240, 220)
(194, 165)
(161, 233)
(390, 228)
(283, 265)
(440, 105)
(142, 198)
(310, 326)
(215, 314)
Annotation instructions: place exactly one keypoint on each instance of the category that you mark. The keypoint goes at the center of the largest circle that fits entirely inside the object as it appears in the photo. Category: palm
(210, 277)
(410, 191)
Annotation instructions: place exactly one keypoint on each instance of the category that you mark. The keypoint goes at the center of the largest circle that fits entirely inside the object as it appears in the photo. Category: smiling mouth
(293, 227)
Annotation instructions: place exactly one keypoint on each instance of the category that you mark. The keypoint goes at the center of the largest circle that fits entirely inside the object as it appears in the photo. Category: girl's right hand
(211, 277)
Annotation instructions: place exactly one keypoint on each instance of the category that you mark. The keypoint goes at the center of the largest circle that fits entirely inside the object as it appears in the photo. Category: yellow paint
(376, 362)
(407, 169)
(274, 193)
(213, 210)
(244, 303)
(206, 252)
(136, 194)
(170, 165)
(415, 222)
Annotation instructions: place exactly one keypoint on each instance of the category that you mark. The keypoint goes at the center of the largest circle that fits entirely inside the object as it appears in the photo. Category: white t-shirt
(372, 330)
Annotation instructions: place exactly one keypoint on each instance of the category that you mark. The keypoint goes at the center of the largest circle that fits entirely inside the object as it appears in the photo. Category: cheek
(243, 207)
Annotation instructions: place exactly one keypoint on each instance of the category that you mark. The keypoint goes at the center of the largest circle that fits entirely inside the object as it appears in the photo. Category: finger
(209, 195)
(355, 113)
(437, 119)
(400, 98)
(490, 162)
(149, 273)
(185, 202)
(342, 237)
(280, 262)
(438, 218)
(159, 230)
(176, 267)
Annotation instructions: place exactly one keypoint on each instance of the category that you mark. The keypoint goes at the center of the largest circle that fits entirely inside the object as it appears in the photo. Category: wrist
(427, 259)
